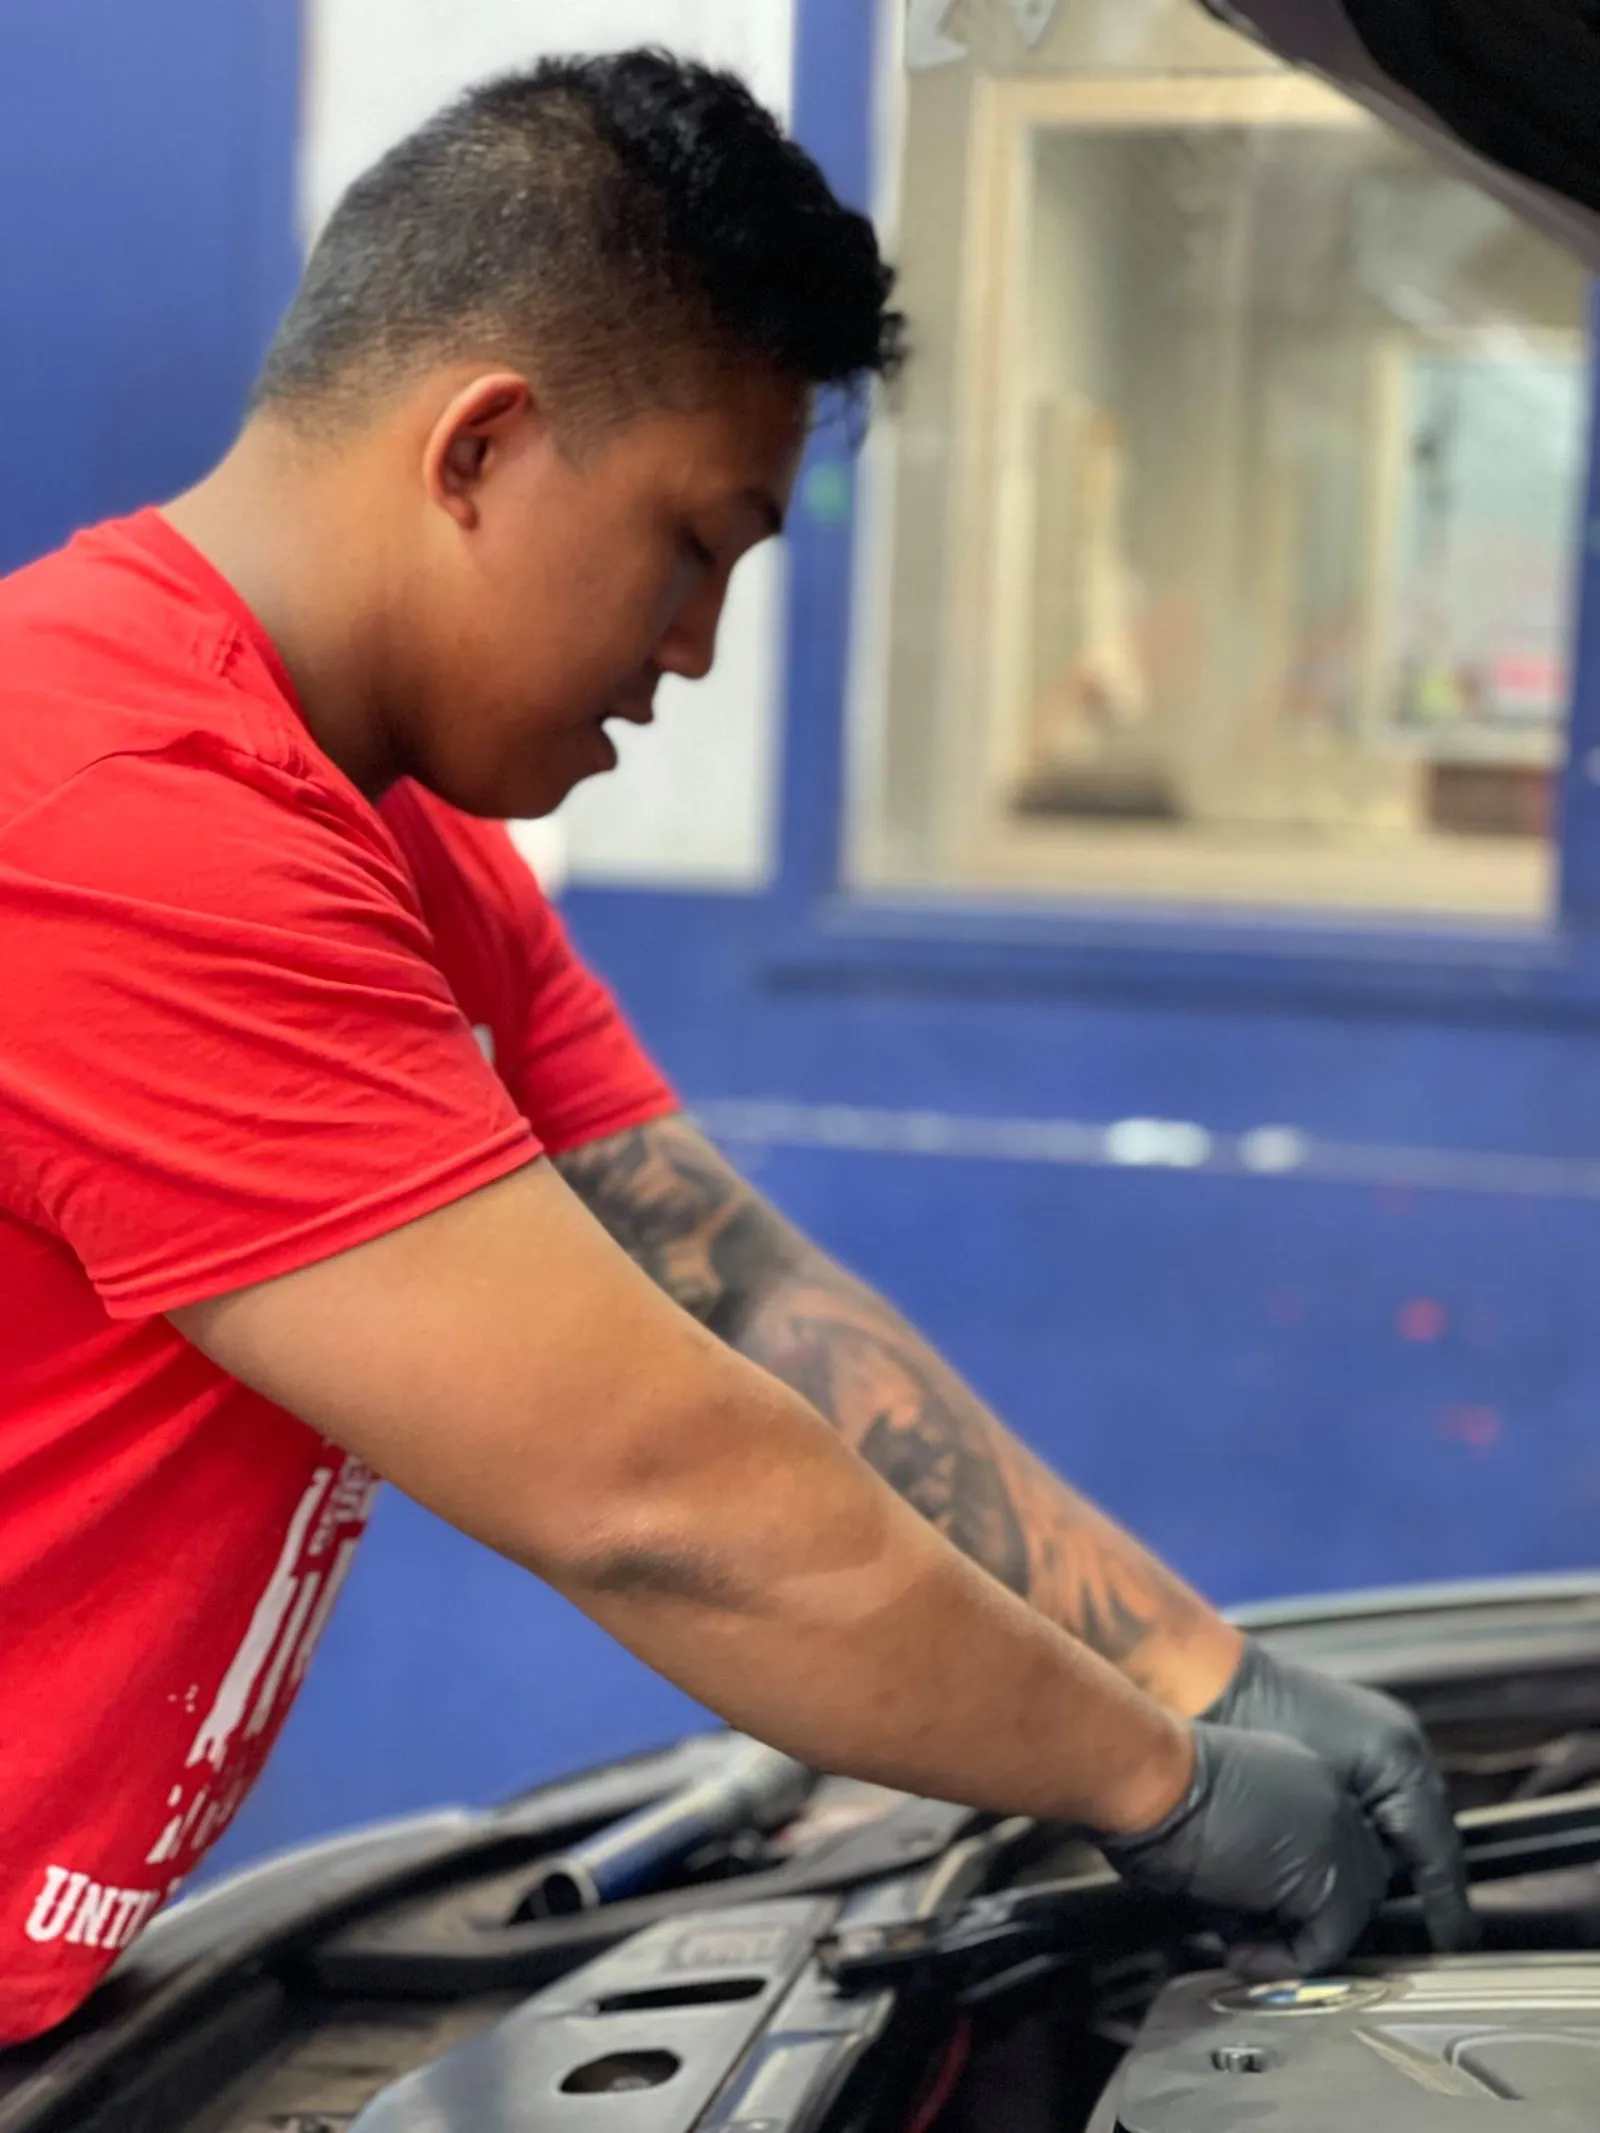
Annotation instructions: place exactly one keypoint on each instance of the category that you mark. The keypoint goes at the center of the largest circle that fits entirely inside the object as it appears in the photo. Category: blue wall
(1289, 1381)
(1381, 1365)
(146, 245)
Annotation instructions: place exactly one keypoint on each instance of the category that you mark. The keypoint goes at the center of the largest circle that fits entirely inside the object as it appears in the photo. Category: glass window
(1220, 535)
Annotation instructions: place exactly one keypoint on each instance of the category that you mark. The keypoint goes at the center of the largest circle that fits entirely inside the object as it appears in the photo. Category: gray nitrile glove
(1377, 1749)
(1266, 1831)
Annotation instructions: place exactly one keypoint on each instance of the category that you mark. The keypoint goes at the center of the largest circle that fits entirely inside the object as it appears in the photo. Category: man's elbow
(659, 1569)
(646, 1521)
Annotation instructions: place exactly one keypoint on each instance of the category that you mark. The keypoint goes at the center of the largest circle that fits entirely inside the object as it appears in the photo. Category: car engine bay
(849, 1960)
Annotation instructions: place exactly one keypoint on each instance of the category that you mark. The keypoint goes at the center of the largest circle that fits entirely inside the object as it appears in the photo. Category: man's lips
(636, 714)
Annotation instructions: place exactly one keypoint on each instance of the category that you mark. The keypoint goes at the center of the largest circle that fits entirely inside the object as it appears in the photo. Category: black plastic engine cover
(1442, 2046)
(708, 2022)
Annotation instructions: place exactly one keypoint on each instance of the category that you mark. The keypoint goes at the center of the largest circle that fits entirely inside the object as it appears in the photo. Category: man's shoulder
(495, 935)
(461, 856)
(106, 654)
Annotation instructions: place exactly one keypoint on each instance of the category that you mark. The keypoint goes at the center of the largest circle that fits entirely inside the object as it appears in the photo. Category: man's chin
(508, 799)
(527, 791)
(569, 780)
(552, 791)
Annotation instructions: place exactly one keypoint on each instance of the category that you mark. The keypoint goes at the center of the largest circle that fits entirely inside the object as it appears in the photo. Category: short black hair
(609, 222)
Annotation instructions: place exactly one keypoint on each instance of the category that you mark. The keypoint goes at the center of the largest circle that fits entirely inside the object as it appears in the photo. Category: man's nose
(689, 648)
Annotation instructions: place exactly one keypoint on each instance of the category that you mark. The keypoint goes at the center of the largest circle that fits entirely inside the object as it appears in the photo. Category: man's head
(564, 343)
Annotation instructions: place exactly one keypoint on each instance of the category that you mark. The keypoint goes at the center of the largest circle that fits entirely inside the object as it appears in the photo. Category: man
(271, 1221)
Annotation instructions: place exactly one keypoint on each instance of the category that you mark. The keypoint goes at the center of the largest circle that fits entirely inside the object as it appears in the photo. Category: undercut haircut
(621, 229)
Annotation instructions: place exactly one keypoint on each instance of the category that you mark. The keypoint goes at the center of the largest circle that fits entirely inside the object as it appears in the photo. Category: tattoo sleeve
(728, 1257)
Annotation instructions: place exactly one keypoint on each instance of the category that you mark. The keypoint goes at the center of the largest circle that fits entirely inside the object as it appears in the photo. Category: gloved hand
(1266, 1830)
(1377, 1749)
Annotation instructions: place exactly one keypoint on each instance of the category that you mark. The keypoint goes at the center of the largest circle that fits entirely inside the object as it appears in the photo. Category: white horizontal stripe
(1268, 1151)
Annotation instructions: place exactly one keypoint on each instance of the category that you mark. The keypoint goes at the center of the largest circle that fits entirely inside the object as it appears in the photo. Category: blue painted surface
(1580, 789)
(833, 115)
(1288, 1385)
(146, 245)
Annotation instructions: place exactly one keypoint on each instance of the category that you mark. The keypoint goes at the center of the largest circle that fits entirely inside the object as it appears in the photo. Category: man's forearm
(909, 1415)
(896, 1660)
(731, 1260)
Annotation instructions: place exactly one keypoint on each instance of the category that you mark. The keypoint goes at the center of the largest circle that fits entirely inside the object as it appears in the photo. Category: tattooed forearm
(727, 1256)
(669, 1199)
(844, 1351)
(932, 1439)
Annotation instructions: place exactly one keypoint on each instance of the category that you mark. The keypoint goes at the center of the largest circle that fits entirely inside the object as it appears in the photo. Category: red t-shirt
(246, 1020)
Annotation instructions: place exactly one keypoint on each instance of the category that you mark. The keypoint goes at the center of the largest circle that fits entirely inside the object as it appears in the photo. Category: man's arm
(506, 1363)
(731, 1259)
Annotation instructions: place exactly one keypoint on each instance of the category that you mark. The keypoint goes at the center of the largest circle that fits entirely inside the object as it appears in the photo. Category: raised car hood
(1506, 91)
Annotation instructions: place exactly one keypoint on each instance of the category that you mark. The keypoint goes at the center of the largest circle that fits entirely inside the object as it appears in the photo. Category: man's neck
(277, 522)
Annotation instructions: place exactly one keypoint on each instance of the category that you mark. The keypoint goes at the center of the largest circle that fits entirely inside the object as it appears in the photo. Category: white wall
(693, 802)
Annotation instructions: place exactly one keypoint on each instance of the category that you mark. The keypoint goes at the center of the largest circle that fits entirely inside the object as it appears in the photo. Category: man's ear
(482, 423)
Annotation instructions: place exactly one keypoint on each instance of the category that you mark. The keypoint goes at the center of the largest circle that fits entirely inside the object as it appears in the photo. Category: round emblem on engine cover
(1302, 1996)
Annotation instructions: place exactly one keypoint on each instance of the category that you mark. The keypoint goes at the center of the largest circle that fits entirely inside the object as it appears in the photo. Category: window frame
(828, 930)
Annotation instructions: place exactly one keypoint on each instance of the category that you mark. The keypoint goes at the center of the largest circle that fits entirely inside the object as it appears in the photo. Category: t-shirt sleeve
(576, 1069)
(225, 1050)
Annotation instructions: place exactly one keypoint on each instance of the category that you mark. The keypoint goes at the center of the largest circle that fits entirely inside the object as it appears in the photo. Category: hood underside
(1505, 91)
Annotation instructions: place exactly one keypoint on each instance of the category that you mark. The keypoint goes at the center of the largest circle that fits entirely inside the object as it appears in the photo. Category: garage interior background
(1276, 1232)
